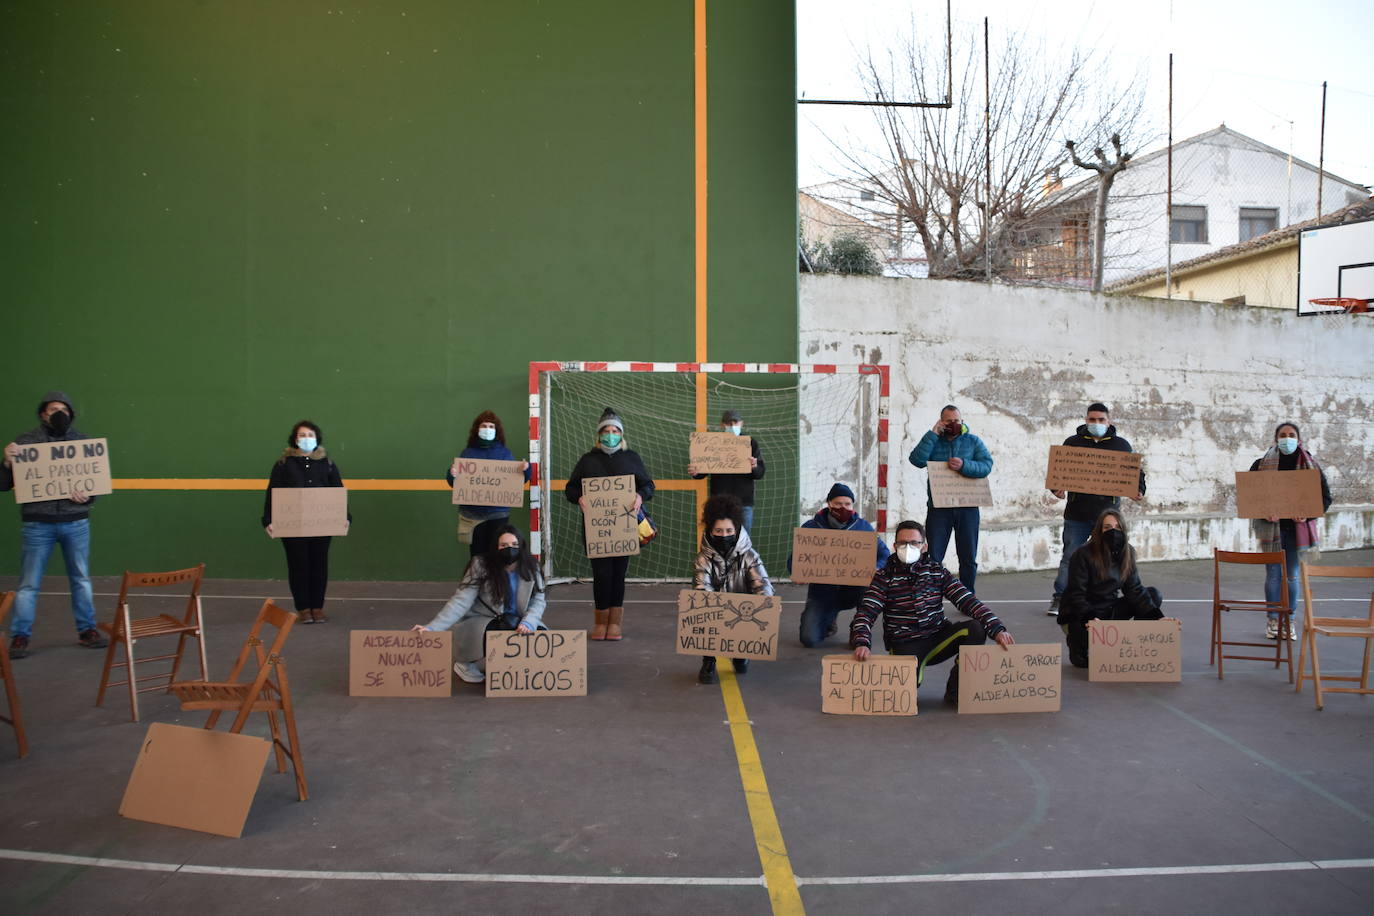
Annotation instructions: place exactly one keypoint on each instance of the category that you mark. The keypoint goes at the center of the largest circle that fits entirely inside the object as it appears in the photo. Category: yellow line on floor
(783, 892)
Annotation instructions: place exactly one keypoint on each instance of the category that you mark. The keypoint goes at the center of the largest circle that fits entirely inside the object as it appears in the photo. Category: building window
(1188, 225)
(865, 195)
(1257, 221)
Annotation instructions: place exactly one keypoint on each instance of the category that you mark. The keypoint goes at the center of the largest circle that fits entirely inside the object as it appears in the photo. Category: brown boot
(304, 617)
(318, 615)
(613, 624)
(599, 631)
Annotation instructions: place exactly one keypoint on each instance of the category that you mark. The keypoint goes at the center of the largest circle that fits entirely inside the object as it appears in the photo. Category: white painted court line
(52, 858)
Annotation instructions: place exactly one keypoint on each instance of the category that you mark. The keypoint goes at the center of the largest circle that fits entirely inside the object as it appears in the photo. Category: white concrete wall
(1196, 387)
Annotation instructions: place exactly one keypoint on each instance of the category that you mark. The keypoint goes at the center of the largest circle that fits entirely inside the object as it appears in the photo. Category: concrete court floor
(632, 795)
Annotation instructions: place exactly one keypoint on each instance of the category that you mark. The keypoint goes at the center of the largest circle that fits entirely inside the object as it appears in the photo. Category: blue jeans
(1075, 536)
(749, 519)
(823, 605)
(963, 523)
(1274, 574)
(37, 541)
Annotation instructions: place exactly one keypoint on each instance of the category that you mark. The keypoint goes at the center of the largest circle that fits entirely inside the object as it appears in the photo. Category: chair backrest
(268, 615)
(168, 579)
(1242, 558)
(1310, 572)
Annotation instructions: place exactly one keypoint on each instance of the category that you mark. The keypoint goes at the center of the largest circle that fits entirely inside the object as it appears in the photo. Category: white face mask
(486, 434)
(306, 443)
(1097, 430)
(908, 553)
(1288, 445)
(735, 429)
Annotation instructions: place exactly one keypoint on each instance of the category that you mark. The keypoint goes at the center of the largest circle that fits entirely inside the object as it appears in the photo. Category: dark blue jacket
(840, 596)
(486, 451)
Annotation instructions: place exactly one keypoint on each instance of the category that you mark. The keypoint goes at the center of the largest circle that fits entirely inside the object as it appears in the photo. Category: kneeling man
(909, 591)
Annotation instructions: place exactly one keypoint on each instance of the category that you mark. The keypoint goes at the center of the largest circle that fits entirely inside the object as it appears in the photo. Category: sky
(1257, 66)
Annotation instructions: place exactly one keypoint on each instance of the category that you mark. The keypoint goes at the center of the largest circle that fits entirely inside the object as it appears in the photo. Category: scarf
(1267, 532)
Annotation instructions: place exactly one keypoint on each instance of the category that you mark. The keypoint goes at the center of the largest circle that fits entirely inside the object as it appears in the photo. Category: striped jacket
(911, 597)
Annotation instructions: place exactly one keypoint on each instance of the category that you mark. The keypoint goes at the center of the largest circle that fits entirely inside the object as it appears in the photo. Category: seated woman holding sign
(727, 562)
(487, 442)
(304, 463)
(1103, 585)
(910, 592)
(1294, 536)
(609, 458)
(501, 590)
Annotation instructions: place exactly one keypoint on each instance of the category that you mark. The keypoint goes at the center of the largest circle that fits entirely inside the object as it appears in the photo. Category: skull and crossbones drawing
(746, 612)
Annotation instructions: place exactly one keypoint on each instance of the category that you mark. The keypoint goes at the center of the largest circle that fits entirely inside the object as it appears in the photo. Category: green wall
(221, 217)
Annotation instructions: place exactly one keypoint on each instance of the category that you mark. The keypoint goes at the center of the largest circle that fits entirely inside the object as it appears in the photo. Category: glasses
(911, 543)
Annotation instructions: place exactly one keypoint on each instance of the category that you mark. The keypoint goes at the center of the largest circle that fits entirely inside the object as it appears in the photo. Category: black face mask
(724, 544)
(1116, 540)
(509, 554)
(59, 422)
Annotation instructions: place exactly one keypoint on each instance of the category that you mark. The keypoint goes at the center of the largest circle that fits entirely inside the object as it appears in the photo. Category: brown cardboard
(195, 779)
(951, 490)
(881, 685)
(1093, 470)
(55, 470)
(1020, 678)
(720, 453)
(478, 482)
(400, 663)
(306, 512)
(608, 521)
(1135, 650)
(546, 663)
(833, 556)
(729, 624)
(1279, 494)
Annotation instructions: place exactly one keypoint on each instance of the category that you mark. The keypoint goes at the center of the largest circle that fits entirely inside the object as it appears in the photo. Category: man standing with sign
(910, 591)
(47, 524)
(950, 441)
(740, 486)
(1082, 509)
(824, 602)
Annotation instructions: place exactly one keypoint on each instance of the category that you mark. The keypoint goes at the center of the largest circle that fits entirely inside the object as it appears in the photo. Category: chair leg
(1364, 669)
(1287, 644)
(1302, 658)
(109, 662)
(276, 740)
(1316, 672)
(200, 645)
(1212, 649)
(16, 718)
(1221, 651)
(133, 680)
(176, 661)
(297, 764)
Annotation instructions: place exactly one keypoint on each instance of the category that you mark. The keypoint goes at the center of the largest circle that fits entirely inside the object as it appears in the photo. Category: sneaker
(707, 674)
(19, 647)
(92, 639)
(1292, 634)
(1078, 658)
(1271, 629)
(834, 628)
(741, 665)
(468, 671)
(1054, 607)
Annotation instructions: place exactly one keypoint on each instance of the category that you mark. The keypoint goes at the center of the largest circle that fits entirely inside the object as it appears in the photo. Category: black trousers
(307, 569)
(608, 581)
(942, 645)
(1076, 619)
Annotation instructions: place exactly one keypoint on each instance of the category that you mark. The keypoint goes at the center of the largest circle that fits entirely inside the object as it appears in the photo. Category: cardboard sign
(726, 623)
(1135, 650)
(1021, 678)
(399, 663)
(833, 556)
(1093, 470)
(545, 663)
(720, 453)
(56, 470)
(608, 521)
(479, 482)
(195, 779)
(882, 685)
(308, 512)
(951, 490)
(1278, 494)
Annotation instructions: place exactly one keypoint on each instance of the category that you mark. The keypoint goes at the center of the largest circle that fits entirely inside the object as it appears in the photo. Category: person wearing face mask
(950, 441)
(727, 562)
(1293, 536)
(477, 525)
(1082, 509)
(740, 486)
(609, 458)
(47, 524)
(502, 589)
(825, 602)
(1103, 584)
(909, 592)
(304, 463)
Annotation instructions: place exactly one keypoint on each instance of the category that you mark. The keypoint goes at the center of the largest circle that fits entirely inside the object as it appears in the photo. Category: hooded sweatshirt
(49, 510)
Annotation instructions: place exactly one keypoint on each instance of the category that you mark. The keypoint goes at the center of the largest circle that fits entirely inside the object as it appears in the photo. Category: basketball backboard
(1336, 268)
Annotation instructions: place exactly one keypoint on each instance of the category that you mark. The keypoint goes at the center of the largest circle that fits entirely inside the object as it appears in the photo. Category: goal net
(815, 425)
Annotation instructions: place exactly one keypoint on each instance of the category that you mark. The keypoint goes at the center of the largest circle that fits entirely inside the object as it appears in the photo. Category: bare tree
(928, 170)
(1106, 174)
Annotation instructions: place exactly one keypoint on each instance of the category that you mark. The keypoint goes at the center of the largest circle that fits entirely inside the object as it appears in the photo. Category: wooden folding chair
(126, 630)
(16, 716)
(1351, 627)
(1282, 647)
(267, 692)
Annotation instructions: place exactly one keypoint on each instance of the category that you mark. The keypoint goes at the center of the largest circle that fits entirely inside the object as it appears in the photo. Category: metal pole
(987, 153)
(1321, 154)
(1169, 193)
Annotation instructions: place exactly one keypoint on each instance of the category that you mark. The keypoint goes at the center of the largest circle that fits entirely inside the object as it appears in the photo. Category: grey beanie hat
(56, 395)
(609, 416)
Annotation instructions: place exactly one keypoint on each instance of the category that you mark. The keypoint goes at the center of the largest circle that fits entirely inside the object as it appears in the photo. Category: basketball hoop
(1346, 304)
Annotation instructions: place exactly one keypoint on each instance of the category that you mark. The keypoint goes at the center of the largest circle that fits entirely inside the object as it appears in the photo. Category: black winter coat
(1086, 507)
(740, 486)
(1088, 595)
(597, 463)
(295, 469)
